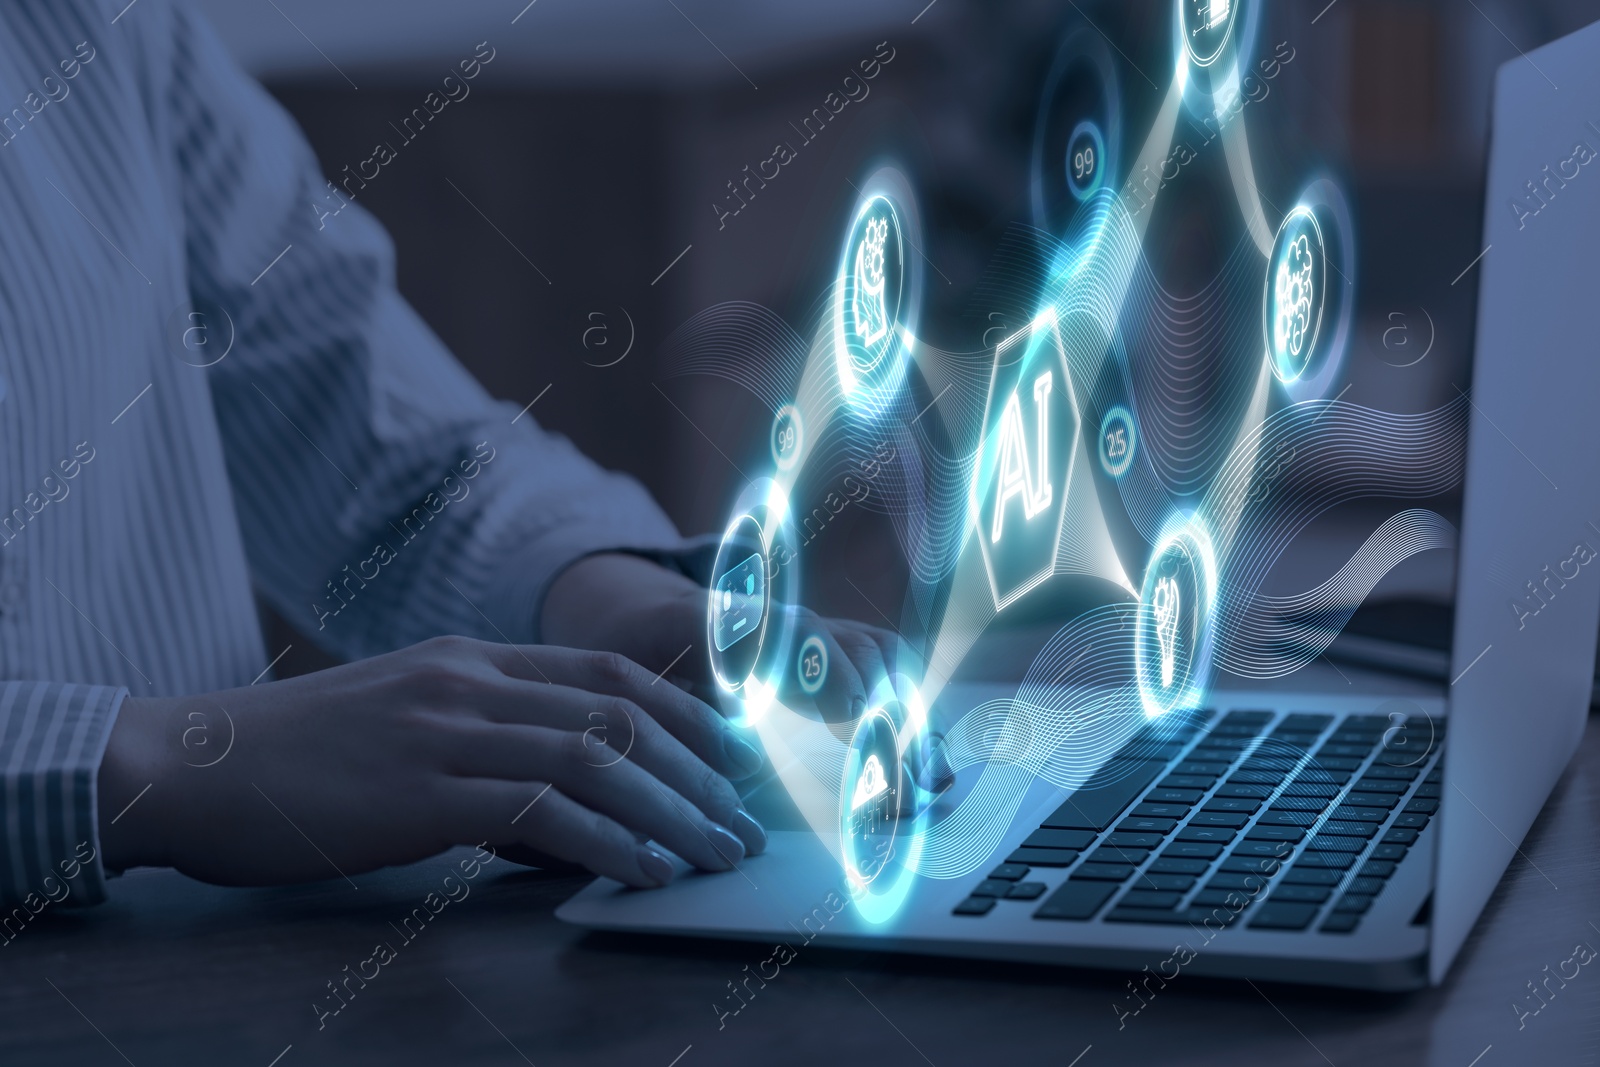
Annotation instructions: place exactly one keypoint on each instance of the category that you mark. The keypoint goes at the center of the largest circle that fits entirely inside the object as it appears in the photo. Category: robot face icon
(872, 278)
(741, 600)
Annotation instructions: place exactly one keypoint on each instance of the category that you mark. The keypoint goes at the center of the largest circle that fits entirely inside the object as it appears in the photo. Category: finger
(614, 729)
(541, 817)
(843, 692)
(622, 790)
(695, 723)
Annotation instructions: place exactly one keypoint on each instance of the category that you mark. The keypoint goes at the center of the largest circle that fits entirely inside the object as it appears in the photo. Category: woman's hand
(580, 755)
(657, 617)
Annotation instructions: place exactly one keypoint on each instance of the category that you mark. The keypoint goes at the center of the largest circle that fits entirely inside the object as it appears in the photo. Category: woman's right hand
(580, 755)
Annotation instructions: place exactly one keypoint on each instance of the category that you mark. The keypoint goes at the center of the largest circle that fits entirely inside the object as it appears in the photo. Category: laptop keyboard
(1273, 823)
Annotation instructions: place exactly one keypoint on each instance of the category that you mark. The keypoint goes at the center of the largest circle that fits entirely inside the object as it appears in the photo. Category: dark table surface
(175, 972)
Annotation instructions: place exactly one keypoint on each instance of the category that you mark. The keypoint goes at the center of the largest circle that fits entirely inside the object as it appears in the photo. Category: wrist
(586, 600)
(133, 763)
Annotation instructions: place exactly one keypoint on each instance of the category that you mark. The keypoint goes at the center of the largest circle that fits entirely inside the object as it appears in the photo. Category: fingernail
(743, 755)
(750, 832)
(655, 866)
(726, 843)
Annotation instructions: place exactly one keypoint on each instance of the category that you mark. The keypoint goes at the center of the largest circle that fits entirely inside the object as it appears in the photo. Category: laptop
(1326, 839)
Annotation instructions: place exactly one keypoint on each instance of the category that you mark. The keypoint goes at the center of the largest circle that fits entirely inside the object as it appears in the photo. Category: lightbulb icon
(1164, 605)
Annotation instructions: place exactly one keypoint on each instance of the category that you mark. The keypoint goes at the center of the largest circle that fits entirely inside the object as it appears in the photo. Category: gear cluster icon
(872, 319)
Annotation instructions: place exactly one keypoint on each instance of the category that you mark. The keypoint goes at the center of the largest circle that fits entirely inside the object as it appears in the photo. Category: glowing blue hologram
(1119, 437)
(812, 666)
(874, 272)
(871, 785)
(1024, 460)
(788, 435)
(881, 825)
(1086, 159)
(740, 602)
(1172, 638)
(1322, 217)
(877, 292)
(1207, 25)
(1296, 290)
(738, 607)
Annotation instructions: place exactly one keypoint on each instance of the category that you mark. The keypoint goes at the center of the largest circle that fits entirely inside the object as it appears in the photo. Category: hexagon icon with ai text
(1024, 464)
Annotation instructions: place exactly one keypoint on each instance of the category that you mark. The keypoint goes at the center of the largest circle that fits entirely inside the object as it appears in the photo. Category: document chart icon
(741, 601)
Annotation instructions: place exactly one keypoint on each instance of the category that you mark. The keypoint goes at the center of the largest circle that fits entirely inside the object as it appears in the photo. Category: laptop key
(1177, 883)
(1292, 834)
(1149, 810)
(1239, 804)
(1076, 900)
(1340, 923)
(1187, 781)
(1149, 898)
(1143, 827)
(1233, 882)
(1233, 820)
(1277, 916)
(1349, 829)
(1165, 864)
(1336, 861)
(1365, 886)
(1421, 805)
(1185, 797)
(1219, 834)
(1010, 872)
(1050, 837)
(1275, 849)
(1043, 857)
(991, 887)
(1412, 820)
(1349, 814)
(1026, 891)
(1399, 774)
(1380, 785)
(1376, 869)
(1261, 865)
(1307, 787)
(974, 906)
(1217, 918)
(1329, 843)
(1371, 800)
(1300, 874)
(1355, 904)
(1191, 850)
(1104, 872)
(1129, 857)
(1245, 789)
(1309, 804)
(1428, 791)
(1389, 852)
(1122, 840)
(1097, 806)
(1300, 894)
(1400, 836)
(1276, 817)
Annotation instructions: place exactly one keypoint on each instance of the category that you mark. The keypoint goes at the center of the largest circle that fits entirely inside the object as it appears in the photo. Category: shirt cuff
(54, 735)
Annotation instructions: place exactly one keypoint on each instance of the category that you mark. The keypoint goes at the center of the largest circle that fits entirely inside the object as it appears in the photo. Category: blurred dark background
(540, 215)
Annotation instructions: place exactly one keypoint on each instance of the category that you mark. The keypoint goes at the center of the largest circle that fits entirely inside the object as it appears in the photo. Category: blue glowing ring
(880, 882)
